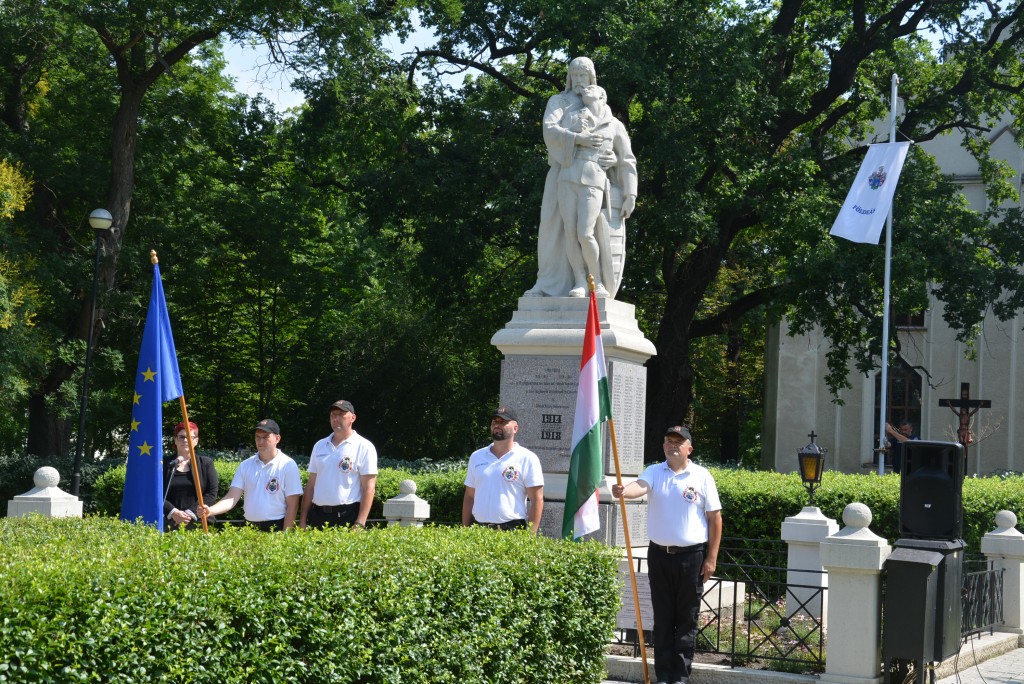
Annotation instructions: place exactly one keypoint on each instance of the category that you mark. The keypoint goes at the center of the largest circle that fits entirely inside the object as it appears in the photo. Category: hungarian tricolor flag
(593, 407)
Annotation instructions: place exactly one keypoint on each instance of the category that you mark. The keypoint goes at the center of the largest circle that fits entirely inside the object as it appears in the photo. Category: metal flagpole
(885, 298)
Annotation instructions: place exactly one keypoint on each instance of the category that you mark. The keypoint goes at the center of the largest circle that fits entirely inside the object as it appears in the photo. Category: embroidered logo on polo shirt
(273, 485)
(690, 494)
(345, 464)
(510, 474)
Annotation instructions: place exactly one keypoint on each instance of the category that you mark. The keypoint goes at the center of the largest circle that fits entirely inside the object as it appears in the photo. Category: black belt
(510, 525)
(678, 549)
(336, 509)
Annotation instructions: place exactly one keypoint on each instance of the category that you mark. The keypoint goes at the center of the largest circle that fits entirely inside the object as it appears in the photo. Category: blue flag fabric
(157, 381)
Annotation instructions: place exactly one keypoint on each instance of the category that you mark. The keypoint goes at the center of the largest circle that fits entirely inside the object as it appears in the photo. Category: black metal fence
(756, 609)
(982, 599)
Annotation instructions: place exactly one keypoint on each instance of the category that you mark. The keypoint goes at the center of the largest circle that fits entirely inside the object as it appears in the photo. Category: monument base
(540, 373)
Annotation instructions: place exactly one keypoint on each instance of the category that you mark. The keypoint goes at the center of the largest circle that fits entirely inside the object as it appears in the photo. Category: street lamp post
(100, 220)
(812, 463)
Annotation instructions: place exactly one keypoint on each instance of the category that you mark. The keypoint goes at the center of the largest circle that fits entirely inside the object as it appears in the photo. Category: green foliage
(442, 488)
(755, 504)
(96, 599)
(16, 471)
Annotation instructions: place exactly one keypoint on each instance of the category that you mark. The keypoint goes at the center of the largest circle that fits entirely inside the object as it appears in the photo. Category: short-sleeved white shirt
(265, 485)
(338, 469)
(678, 504)
(500, 484)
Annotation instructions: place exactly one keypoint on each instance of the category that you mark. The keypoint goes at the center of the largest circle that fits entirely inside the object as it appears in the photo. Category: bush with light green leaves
(98, 600)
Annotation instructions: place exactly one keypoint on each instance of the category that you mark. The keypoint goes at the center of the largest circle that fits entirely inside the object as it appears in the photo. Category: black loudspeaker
(931, 490)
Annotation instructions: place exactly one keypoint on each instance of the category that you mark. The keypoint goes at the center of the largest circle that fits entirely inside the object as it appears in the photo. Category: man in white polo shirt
(684, 525)
(504, 483)
(269, 481)
(342, 474)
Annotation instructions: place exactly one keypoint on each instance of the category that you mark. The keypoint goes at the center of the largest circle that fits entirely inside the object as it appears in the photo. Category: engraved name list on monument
(543, 390)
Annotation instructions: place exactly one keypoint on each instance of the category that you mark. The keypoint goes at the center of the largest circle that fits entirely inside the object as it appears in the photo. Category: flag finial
(590, 281)
(152, 256)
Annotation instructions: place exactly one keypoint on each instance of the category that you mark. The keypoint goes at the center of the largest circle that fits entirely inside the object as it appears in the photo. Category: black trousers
(335, 516)
(510, 525)
(676, 591)
(267, 525)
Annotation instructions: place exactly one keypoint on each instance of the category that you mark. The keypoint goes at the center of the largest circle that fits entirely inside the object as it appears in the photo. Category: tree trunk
(49, 435)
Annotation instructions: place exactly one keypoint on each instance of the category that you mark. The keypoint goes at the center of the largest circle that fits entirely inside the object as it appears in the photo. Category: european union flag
(156, 382)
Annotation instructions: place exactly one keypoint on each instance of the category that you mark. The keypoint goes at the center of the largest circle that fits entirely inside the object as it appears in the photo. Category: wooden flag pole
(192, 459)
(629, 553)
(625, 532)
(188, 432)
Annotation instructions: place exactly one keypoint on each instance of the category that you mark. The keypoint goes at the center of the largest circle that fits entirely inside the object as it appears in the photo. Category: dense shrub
(756, 503)
(16, 471)
(100, 600)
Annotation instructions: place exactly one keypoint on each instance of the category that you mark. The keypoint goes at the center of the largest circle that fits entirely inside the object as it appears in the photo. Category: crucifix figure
(965, 408)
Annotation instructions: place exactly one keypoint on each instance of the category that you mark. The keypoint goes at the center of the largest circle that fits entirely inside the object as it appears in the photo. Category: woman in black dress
(180, 503)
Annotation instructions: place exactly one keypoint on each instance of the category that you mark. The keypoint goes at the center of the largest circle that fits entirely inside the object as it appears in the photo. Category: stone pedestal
(406, 509)
(854, 558)
(45, 498)
(542, 345)
(1004, 546)
(805, 576)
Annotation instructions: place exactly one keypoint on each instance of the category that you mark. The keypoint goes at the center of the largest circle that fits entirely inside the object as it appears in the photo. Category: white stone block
(45, 498)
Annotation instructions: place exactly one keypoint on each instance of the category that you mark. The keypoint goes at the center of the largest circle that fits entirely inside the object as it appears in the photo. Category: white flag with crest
(867, 204)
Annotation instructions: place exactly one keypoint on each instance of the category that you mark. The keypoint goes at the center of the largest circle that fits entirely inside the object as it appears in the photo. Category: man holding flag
(157, 381)
(684, 525)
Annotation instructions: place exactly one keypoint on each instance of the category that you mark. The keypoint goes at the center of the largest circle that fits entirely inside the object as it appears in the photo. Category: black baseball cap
(680, 431)
(344, 405)
(268, 425)
(505, 413)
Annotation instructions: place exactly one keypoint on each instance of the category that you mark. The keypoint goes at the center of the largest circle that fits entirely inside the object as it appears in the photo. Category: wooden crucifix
(965, 408)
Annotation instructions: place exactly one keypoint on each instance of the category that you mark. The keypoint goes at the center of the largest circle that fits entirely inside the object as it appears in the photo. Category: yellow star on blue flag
(157, 381)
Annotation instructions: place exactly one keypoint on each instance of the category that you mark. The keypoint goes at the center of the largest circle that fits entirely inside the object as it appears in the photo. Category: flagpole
(188, 430)
(625, 534)
(885, 298)
(192, 458)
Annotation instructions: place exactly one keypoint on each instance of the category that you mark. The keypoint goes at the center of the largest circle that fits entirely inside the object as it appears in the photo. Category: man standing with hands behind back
(342, 474)
(684, 525)
(501, 478)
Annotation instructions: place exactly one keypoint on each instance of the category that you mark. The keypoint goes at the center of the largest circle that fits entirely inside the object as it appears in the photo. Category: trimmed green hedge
(755, 503)
(98, 600)
(442, 489)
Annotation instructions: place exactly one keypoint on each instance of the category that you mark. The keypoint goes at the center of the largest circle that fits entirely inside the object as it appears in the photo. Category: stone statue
(589, 192)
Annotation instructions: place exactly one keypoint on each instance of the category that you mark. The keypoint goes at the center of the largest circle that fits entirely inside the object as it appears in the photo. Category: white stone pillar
(45, 498)
(1004, 546)
(854, 558)
(805, 576)
(406, 509)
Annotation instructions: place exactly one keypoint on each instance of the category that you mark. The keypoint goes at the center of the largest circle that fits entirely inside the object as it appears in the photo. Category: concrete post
(805, 576)
(406, 509)
(854, 558)
(45, 498)
(1004, 546)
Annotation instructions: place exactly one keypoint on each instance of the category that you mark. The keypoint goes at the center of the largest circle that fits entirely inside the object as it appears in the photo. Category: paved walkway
(1004, 669)
(1007, 668)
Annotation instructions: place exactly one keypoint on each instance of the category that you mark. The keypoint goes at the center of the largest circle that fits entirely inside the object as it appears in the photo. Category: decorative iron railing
(982, 598)
(756, 609)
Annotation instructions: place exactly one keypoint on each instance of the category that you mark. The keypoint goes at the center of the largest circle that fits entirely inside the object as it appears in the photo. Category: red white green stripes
(593, 407)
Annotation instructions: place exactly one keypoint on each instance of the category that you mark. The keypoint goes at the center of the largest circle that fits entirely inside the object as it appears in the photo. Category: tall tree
(75, 77)
(748, 121)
